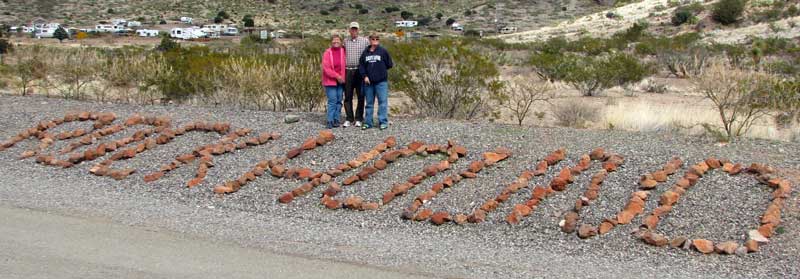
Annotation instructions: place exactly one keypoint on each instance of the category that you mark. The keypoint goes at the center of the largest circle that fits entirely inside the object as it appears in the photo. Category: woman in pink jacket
(333, 77)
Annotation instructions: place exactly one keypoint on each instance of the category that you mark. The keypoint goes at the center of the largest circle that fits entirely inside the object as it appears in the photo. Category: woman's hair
(374, 36)
(334, 36)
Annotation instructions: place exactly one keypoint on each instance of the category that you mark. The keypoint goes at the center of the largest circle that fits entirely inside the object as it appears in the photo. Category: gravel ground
(719, 207)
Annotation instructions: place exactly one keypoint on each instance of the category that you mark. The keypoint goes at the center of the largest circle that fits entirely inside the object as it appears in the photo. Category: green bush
(392, 9)
(592, 76)
(728, 11)
(681, 16)
(324, 12)
(445, 78)
(406, 15)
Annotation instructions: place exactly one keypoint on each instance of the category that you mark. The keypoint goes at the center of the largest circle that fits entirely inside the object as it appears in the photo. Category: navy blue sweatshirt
(373, 64)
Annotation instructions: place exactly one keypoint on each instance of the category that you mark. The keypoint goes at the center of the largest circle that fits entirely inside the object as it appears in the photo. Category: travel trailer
(187, 33)
(147, 33)
(406, 23)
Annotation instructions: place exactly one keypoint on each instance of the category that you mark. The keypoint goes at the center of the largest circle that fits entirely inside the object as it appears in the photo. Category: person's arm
(389, 62)
(362, 68)
(327, 66)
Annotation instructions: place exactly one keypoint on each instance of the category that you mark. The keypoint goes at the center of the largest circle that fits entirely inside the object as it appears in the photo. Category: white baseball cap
(354, 25)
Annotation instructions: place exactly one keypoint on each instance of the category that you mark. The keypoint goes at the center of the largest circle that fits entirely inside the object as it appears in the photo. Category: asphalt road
(36, 244)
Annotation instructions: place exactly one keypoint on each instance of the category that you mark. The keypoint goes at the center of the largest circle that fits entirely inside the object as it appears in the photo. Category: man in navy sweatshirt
(373, 66)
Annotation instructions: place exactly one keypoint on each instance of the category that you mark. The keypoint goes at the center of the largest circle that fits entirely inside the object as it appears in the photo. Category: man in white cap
(354, 46)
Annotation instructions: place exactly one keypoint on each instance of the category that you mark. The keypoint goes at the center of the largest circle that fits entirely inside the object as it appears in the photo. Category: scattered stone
(751, 245)
(678, 242)
(478, 216)
(668, 198)
(353, 202)
(570, 222)
(586, 231)
(460, 219)
(702, 245)
(727, 247)
(605, 227)
(440, 217)
(654, 239)
(153, 176)
(370, 206)
(423, 215)
(291, 118)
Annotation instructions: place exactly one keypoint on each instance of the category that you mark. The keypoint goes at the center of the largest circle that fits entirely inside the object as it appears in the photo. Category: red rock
(683, 183)
(610, 166)
(370, 206)
(654, 239)
(490, 158)
(332, 204)
(438, 187)
(440, 217)
(423, 214)
(660, 176)
(558, 184)
(522, 210)
(353, 202)
(460, 150)
(570, 222)
(278, 170)
(351, 180)
(489, 206)
(468, 174)
(391, 156)
(597, 154)
(556, 156)
(702, 245)
(223, 189)
(304, 173)
(647, 182)
(625, 216)
(294, 153)
(390, 141)
(415, 145)
(651, 221)
(387, 197)
(766, 230)
(153, 176)
(194, 182)
(332, 190)
(327, 135)
(512, 218)
(678, 242)
(121, 174)
(713, 163)
(460, 219)
(539, 193)
(605, 227)
(751, 245)
(727, 247)
(478, 216)
(662, 210)
(668, 198)
(586, 231)
(380, 164)
(428, 195)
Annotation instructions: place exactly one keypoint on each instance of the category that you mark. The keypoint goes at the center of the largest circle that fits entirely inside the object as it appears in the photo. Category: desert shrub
(681, 16)
(449, 21)
(743, 96)
(576, 114)
(655, 87)
(248, 21)
(28, 68)
(728, 11)
(299, 83)
(445, 79)
(363, 11)
(519, 94)
(406, 15)
(592, 76)
(248, 83)
(76, 70)
(391, 9)
(5, 48)
(60, 34)
(685, 63)
(324, 12)
(167, 44)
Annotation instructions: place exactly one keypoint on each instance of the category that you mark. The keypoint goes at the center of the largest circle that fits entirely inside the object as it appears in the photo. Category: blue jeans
(381, 91)
(334, 94)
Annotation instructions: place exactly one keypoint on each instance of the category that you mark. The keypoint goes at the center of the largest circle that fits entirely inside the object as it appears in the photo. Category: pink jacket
(328, 73)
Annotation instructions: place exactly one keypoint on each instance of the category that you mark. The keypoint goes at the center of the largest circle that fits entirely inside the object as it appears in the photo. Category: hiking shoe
(365, 126)
(346, 124)
(358, 123)
(384, 126)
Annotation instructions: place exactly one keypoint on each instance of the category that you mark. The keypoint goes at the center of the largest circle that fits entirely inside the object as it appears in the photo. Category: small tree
(78, 69)
(449, 21)
(248, 21)
(406, 15)
(681, 16)
(741, 97)
(223, 15)
(28, 69)
(167, 44)
(521, 92)
(728, 11)
(218, 19)
(5, 48)
(60, 34)
(592, 76)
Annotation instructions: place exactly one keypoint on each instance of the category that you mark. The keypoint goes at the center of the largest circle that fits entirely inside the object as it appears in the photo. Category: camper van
(133, 23)
(231, 31)
(406, 23)
(104, 28)
(187, 33)
(147, 33)
(215, 27)
(186, 19)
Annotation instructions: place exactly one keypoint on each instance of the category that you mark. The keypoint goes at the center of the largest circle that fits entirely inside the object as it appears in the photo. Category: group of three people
(357, 65)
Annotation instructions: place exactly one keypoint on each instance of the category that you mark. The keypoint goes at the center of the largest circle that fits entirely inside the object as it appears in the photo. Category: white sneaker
(358, 123)
(346, 124)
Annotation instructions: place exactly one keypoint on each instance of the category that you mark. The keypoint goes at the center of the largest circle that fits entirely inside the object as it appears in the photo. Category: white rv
(104, 28)
(231, 31)
(147, 33)
(119, 21)
(215, 27)
(457, 27)
(187, 33)
(133, 23)
(406, 23)
(186, 19)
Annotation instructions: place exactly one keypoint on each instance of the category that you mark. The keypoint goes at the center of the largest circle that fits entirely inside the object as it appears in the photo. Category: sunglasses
(375, 39)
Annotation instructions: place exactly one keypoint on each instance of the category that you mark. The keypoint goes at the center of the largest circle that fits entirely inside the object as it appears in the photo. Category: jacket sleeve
(327, 67)
(362, 65)
(389, 62)
(343, 71)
